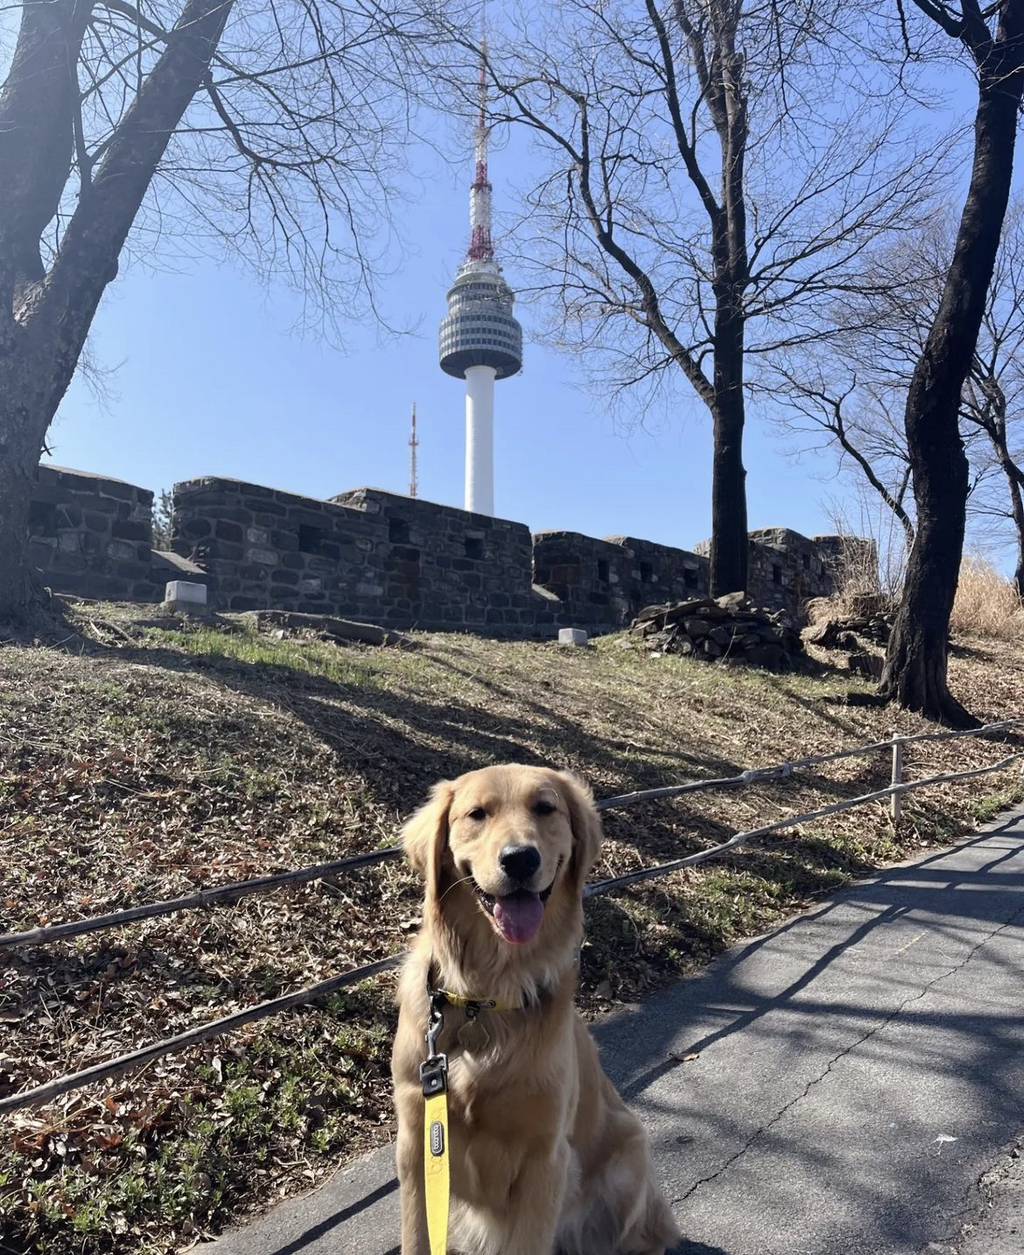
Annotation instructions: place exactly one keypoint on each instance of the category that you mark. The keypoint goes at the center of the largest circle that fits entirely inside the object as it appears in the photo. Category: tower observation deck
(480, 340)
(480, 329)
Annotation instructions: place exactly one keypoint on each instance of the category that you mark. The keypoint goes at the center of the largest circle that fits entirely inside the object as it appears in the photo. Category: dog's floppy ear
(425, 835)
(586, 825)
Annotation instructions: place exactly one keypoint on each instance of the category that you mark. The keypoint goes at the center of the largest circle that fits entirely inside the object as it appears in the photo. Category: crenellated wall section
(394, 560)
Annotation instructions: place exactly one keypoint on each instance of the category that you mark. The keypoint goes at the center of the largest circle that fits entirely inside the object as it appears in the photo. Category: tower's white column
(480, 439)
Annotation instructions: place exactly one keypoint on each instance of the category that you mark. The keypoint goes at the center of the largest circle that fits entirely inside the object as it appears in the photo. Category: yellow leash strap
(436, 1171)
(434, 1081)
(436, 1151)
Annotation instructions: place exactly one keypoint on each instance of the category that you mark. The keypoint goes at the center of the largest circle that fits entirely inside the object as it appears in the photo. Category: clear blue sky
(208, 379)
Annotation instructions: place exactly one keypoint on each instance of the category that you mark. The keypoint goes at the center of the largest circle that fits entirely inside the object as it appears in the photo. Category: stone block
(266, 513)
(121, 550)
(41, 551)
(127, 529)
(105, 505)
(96, 522)
(66, 562)
(121, 492)
(572, 636)
(184, 595)
(233, 514)
(261, 557)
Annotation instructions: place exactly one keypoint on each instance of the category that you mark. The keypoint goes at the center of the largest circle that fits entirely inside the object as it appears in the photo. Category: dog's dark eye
(477, 813)
(544, 808)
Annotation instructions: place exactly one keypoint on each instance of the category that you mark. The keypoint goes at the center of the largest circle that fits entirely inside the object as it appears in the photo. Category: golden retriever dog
(545, 1158)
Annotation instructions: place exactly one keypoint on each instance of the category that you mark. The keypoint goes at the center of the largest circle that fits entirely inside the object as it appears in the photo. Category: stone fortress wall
(390, 559)
(92, 536)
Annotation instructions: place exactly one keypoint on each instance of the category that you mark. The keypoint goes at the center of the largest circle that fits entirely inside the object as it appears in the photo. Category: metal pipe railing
(221, 895)
(300, 997)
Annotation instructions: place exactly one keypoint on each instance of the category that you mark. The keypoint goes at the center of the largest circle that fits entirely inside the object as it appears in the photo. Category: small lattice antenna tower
(414, 444)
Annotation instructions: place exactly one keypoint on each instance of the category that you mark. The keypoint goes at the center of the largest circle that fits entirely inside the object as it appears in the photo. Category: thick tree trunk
(20, 592)
(45, 319)
(25, 416)
(729, 539)
(915, 669)
(731, 545)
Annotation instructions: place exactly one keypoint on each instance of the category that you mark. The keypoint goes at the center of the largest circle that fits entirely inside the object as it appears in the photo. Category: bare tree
(703, 193)
(993, 398)
(851, 419)
(268, 128)
(916, 665)
(852, 389)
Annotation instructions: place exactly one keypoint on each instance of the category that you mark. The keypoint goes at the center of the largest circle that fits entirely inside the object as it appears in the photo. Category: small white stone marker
(184, 594)
(572, 636)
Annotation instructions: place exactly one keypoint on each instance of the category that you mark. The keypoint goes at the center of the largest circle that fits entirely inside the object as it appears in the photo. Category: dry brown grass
(165, 760)
(987, 604)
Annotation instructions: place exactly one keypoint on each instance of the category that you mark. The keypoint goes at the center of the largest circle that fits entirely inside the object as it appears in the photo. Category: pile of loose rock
(723, 629)
(867, 617)
(856, 634)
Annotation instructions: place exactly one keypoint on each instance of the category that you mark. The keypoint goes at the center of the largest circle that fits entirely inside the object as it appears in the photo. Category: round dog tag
(473, 1036)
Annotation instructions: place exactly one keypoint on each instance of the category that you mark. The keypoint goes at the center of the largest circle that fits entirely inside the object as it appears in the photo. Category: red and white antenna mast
(481, 247)
(414, 444)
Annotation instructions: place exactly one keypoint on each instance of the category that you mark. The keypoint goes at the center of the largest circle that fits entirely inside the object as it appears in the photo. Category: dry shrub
(986, 603)
(862, 589)
(872, 563)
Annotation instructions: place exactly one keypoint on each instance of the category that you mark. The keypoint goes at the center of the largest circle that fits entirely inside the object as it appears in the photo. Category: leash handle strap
(437, 1170)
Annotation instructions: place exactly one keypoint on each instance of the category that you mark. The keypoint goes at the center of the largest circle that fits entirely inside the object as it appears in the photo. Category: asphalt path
(857, 1089)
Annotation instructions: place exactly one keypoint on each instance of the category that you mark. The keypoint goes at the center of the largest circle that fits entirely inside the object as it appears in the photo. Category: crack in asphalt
(975, 1201)
(877, 1028)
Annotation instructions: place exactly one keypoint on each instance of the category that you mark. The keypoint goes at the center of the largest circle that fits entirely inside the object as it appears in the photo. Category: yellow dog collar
(473, 1005)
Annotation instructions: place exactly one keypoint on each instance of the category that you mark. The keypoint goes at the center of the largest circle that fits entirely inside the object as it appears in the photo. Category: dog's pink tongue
(519, 916)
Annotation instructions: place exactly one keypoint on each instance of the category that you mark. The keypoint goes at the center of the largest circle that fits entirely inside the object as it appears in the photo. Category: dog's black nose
(519, 862)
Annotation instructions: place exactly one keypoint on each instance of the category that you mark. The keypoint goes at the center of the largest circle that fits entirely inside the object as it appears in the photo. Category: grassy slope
(162, 760)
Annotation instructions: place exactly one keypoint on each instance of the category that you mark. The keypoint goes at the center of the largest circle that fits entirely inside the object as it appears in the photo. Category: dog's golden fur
(545, 1156)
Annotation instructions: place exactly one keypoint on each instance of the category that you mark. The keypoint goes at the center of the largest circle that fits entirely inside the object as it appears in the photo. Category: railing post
(896, 799)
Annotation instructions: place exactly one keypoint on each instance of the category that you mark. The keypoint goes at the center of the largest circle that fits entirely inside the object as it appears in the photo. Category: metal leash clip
(434, 1069)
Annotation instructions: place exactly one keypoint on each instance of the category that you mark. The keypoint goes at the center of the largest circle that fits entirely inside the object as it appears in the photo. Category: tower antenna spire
(481, 246)
(414, 444)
